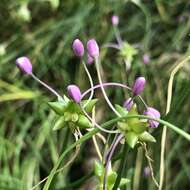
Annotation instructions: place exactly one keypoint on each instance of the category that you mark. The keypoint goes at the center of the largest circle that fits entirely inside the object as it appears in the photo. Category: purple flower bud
(139, 85)
(128, 104)
(24, 64)
(152, 112)
(90, 60)
(74, 93)
(92, 48)
(147, 171)
(115, 20)
(78, 48)
(146, 59)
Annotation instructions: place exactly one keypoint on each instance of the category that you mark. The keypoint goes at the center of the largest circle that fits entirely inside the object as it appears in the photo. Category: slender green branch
(121, 167)
(108, 125)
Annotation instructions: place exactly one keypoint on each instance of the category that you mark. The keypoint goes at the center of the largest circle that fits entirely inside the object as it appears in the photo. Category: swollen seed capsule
(78, 48)
(139, 86)
(24, 64)
(93, 48)
(74, 93)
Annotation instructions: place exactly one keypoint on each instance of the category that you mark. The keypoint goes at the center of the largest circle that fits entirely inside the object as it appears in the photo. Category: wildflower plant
(132, 125)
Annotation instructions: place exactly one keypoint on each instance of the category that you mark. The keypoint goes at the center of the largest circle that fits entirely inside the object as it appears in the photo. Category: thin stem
(99, 135)
(98, 126)
(113, 84)
(46, 86)
(91, 84)
(138, 167)
(97, 147)
(121, 167)
(108, 159)
(107, 124)
(150, 165)
(113, 142)
(164, 131)
(94, 137)
(118, 36)
(103, 91)
(142, 100)
(107, 84)
(65, 166)
(111, 45)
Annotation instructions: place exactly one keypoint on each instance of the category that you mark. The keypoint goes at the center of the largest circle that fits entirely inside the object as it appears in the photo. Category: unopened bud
(78, 48)
(74, 93)
(93, 48)
(24, 64)
(128, 104)
(115, 20)
(152, 112)
(139, 85)
(90, 60)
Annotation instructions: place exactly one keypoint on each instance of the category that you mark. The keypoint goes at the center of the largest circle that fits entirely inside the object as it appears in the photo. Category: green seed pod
(58, 107)
(83, 122)
(60, 123)
(131, 139)
(122, 111)
(74, 117)
(88, 108)
(147, 137)
(68, 116)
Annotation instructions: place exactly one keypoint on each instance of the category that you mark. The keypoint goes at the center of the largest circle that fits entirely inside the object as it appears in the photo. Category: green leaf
(147, 137)
(139, 127)
(60, 123)
(58, 107)
(84, 122)
(88, 108)
(111, 178)
(131, 139)
(122, 111)
(98, 169)
(124, 181)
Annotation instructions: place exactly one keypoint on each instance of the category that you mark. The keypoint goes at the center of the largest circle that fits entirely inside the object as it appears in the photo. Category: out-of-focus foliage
(44, 31)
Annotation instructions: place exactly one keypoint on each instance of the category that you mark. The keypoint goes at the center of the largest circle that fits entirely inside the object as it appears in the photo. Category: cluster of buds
(92, 50)
(74, 112)
(24, 64)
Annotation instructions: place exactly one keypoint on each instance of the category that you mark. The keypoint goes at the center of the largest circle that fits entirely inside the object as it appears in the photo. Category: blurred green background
(44, 30)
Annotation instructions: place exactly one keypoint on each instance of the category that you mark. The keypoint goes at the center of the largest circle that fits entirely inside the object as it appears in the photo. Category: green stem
(106, 125)
(121, 167)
